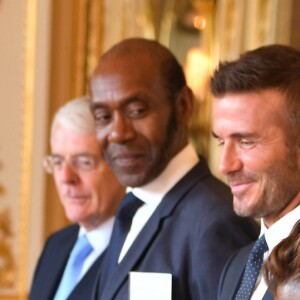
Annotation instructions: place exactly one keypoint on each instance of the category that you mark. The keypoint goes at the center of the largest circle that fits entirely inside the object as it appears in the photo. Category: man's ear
(185, 105)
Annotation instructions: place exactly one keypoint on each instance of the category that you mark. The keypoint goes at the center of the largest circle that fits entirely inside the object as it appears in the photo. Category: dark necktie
(252, 269)
(124, 215)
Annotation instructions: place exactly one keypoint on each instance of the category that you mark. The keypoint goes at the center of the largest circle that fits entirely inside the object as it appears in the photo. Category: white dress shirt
(152, 193)
(274, 235)
(99, 239)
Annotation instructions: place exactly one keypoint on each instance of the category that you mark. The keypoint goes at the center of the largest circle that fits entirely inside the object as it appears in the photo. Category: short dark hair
(170, 69)
(268, 67)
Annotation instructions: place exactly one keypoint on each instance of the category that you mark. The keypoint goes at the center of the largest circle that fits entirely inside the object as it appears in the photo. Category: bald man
(185, 226)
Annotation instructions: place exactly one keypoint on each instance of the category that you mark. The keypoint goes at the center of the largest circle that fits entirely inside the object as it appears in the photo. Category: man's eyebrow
(95, 105)
(242, 134)
(214, 135)
(138, 96)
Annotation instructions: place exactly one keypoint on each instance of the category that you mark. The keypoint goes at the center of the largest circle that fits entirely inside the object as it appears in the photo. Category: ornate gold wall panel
(14, 218)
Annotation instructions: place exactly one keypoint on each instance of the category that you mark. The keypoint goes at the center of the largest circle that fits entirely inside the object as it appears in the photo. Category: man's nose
(230, 160)
(67, 174)
(122, 129)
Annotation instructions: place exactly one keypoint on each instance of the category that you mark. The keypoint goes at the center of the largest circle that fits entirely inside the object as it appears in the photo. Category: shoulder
(203, 180)
(62, 236)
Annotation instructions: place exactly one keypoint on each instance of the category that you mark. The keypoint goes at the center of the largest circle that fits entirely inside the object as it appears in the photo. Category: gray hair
(75, 114)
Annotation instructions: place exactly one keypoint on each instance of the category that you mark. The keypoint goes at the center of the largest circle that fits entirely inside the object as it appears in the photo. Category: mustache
(72, 193)
(241, 177)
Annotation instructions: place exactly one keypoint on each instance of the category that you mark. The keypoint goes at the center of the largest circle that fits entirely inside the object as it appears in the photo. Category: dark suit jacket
(191, 235)
(51, 266)
(232, 275)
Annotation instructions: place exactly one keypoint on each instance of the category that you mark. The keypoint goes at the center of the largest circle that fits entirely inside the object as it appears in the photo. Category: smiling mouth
(127, 160)
(240, 187)
(76, 198)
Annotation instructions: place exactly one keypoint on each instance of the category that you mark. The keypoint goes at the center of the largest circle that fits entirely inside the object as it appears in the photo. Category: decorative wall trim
(7, 260)
(27, 139)
(15, 188)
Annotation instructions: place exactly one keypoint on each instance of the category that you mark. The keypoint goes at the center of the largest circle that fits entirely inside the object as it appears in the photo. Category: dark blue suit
(233, 273)
(190, 235)
(51, 266)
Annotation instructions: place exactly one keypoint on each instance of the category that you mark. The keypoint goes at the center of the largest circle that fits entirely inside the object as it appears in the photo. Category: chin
(75, 217)
(133, 180)
(240, 209)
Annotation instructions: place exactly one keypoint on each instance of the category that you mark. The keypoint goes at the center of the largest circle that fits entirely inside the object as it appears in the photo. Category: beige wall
(24, 51)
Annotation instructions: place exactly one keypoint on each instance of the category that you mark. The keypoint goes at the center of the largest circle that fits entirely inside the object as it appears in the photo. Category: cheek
(94, 187)
(102, 134)
(150, 131)
(60, 188)
(256, 160)
(298, 157)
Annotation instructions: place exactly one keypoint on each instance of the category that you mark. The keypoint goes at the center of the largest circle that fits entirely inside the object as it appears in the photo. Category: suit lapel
(151, 229)
(268, 295)
(55, 269)
(233, 273)
(237, 276)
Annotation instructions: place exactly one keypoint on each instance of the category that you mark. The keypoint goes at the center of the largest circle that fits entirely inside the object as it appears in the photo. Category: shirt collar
(280, 229)
(99, 237)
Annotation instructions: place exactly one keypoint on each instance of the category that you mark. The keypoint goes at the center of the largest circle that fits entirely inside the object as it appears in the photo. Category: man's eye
(85, 161)
(101, 117)
(136, 110)
(247, 144)
(136, 113)
(220, 142)
(57, 161)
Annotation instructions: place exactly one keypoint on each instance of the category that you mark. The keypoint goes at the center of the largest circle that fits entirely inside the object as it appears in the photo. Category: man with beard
(256, 120)
(185, 225)
(90, 193)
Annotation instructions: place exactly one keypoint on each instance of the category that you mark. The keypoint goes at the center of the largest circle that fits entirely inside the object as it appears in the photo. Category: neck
(271, 219)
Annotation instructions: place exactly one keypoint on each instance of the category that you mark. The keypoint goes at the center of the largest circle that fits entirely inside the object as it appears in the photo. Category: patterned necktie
(124, 215)
(252, 269)
(81, 250)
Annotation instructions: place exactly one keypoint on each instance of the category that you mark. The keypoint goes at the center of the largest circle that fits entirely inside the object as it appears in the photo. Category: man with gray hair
(90, 193)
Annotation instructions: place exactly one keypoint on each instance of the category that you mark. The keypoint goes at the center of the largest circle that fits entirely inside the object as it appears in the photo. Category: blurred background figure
(282, 268)
(89, 193)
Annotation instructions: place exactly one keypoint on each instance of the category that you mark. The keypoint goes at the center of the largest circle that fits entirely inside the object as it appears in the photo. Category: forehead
(118, 77)
(66, 139)
(257, 109)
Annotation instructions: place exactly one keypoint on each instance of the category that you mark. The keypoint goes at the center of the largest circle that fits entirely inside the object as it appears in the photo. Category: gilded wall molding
(27, 139)
(14, 214)
(7, 260)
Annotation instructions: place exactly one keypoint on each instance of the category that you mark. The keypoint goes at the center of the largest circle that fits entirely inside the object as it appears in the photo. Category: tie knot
(260, 246)
(128, 207)
(82, 248)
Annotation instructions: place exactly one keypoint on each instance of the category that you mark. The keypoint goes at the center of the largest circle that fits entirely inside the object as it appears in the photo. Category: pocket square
(149, 286)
